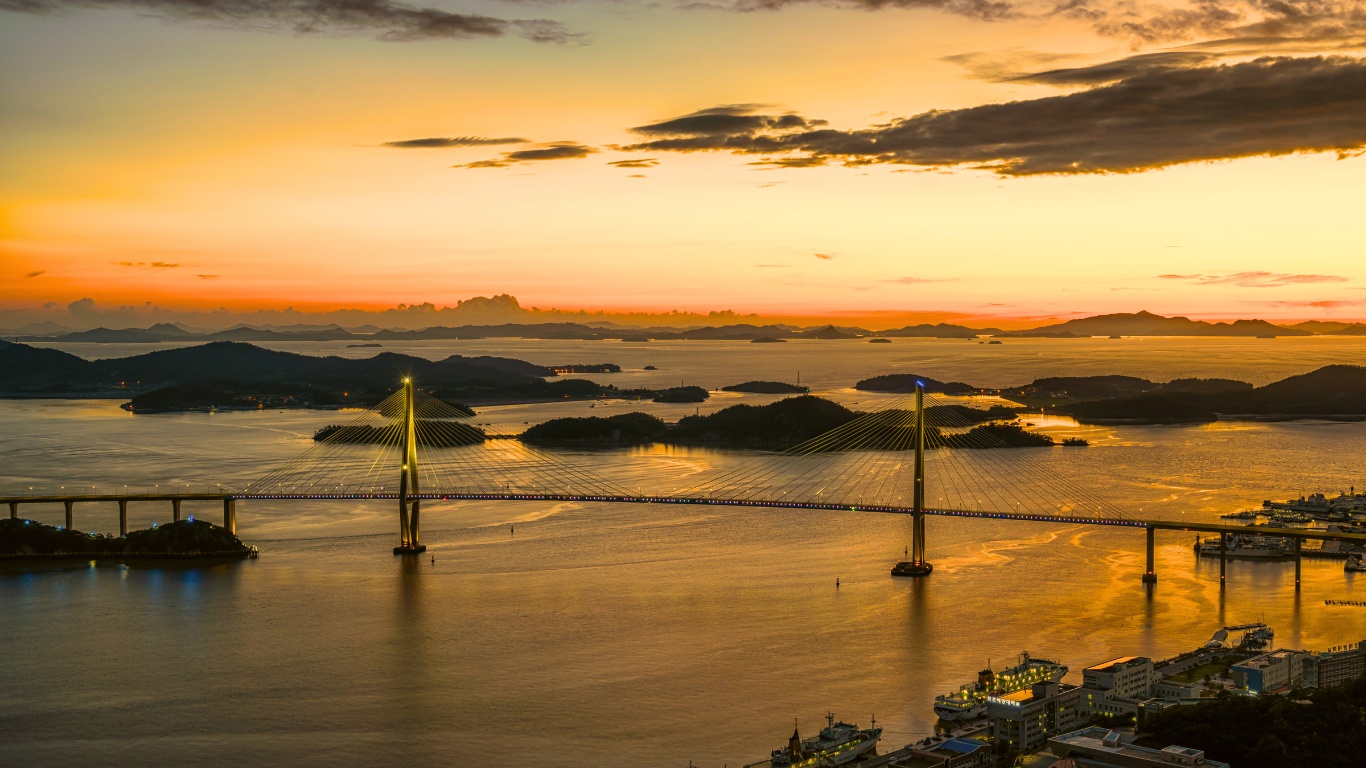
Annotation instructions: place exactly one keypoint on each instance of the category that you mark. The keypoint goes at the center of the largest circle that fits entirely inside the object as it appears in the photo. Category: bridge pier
(230, 515)
(69, 505)
(1223, 557)
(1150, 576)
(175, 510)
(14, 510)
(1298, 542)
(123, 517)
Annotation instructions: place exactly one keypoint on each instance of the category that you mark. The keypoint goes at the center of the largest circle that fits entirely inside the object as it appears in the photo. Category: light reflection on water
(600, 635)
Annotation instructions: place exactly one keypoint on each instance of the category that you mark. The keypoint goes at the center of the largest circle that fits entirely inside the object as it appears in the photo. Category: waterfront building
(958, 752)
(1102, 748)
(1273, 672)
(1023, 720)
(1118, 686)
(1335, 667)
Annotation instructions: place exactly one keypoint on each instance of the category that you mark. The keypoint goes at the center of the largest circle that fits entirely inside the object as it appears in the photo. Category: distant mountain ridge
(1119, 324)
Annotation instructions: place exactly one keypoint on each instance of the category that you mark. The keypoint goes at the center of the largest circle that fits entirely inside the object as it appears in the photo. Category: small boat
(1354, 565)
(1246, 514)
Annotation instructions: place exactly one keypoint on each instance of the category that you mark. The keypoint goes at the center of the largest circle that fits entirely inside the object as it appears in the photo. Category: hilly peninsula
(237, 375)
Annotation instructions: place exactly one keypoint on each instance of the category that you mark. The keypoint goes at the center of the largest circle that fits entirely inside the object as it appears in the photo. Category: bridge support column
(14, 510)
(175, 510)
(1150, 576)
(1223, 557)
(1298, 542)
(69, 505)
(123, 517)
(230, 515)
(412, 524)
(407, 482)
(917, 565)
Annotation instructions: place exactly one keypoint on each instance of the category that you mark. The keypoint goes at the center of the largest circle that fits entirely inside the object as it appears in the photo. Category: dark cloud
(1156, 118)
(1112, 71)
(649, 162)
(726, 120)
(791, 162)
(977, 9)
(39, 273)
(460, 141)
(381, 19)
(824, 256)
(560, 150)
(1260, 23)
(1257, 279)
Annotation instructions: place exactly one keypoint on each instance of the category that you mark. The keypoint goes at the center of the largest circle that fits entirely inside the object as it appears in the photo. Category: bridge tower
(408, 511)
(917, 565)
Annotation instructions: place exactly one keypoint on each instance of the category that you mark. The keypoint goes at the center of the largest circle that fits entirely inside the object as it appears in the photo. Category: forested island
(240, 376)
(793, 421)
(437, 433)
(187, 538)
(1334, 391)
(767, 388)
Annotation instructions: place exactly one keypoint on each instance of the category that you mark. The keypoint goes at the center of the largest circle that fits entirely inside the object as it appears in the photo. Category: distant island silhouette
(793, 421)
(1117, 325)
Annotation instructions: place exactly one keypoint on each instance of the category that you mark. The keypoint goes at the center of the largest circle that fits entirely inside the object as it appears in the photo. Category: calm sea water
(615, 635)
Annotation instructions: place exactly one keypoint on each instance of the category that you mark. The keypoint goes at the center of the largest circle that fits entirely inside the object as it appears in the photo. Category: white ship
(971, 700)
(837, 744)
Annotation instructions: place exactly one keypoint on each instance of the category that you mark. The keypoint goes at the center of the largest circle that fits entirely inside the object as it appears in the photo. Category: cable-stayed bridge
(919, 456)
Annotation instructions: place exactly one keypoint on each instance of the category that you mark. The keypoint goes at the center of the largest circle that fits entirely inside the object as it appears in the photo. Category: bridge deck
(1170, 525)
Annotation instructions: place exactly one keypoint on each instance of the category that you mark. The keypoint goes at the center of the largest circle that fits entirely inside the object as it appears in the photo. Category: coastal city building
(1118, 686)
(957, 752)
(1102, 748)
(1022, 721)
(1273, 672)
(1335, 666)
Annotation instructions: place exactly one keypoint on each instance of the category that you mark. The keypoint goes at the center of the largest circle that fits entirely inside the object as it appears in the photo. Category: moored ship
(970, 701)
(1247, 545)
(836, 744)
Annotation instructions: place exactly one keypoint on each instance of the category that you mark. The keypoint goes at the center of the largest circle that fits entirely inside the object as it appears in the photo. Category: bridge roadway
(228, 500)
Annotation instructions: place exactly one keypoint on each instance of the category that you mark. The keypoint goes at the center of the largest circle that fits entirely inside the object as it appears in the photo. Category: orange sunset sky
(923, 158)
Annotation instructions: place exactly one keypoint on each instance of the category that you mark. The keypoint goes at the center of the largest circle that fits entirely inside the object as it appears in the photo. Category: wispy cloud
(459, 141)
(379, 19)
(32, 275)
(1256, 279)
(149, 264)
(825, 256)
(1320, 304)
(917, 280)
(648, 162)
(559, 150)
(208, 277)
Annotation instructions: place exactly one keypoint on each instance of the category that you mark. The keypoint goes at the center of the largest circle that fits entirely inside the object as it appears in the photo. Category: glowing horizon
(991, 161)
